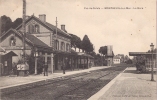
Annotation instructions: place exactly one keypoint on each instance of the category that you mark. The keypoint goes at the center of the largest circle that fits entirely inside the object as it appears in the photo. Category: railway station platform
(129, 85)
(8, 82)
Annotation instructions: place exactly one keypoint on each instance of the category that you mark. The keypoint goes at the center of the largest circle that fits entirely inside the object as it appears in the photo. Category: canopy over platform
(11, 53)
(140, 53)
(2, 49)
(84, 54)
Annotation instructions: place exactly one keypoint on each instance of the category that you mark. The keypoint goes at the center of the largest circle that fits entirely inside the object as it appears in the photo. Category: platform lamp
(36, 56)
(152, 49)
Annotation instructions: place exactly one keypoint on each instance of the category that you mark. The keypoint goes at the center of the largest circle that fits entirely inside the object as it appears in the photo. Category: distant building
(121, 56)
(116, 60)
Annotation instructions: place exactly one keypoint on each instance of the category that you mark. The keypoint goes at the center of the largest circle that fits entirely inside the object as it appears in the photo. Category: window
(63, 46)
(31, 28)
(12, 41)
(67, 47)
(56, 44)
(36, 28)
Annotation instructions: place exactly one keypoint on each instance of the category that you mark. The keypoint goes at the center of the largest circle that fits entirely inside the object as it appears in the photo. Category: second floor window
(37, 28)
(67, 47)
(62, 46)
(56, 45)
(12, 41)
(33, 28)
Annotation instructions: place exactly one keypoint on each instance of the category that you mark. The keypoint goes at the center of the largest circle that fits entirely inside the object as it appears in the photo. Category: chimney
(63, 28)
(42, 17)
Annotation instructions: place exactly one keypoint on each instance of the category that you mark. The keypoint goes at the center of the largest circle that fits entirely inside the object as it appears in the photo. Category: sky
(128, 30)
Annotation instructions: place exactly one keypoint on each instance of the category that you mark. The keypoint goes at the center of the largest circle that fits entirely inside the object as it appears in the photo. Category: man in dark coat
(45, 69)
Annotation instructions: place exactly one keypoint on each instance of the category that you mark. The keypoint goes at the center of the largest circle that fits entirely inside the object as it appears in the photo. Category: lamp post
(152, 49)
(36, 55)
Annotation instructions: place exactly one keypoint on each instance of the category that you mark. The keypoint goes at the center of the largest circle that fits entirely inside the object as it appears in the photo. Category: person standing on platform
(45, 69)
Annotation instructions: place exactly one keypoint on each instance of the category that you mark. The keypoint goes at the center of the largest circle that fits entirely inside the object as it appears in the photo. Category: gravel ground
(80, 87)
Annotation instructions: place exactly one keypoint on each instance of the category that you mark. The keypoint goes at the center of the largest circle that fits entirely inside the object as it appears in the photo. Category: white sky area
(128, 30)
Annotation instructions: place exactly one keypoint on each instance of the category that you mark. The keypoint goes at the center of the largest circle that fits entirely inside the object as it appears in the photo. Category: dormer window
(12, 41)
(37, 28)
(31, 28)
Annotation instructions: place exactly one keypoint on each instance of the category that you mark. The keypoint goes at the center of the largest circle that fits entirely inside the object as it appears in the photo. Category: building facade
(45, 41)
(116, 60)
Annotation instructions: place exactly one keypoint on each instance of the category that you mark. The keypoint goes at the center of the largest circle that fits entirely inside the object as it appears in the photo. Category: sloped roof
(50, 26)
(140, 53)
(116, 57)
(11, 53)
(2, 49)
(87, 55)
(35, 41)
(30, 39)
(58, 30)
(84, 54)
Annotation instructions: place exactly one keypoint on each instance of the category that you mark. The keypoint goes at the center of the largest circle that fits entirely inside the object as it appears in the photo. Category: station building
(45, 41)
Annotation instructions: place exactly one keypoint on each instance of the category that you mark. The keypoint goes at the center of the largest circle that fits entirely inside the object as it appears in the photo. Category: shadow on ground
(130, 71)
(138, 72)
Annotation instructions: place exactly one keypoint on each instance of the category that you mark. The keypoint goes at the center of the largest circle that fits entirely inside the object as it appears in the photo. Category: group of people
(44, 66)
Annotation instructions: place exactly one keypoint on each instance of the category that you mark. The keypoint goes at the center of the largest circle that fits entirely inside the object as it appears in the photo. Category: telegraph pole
(23, 67)
(0, 27)
(24, 29)
(56, 28)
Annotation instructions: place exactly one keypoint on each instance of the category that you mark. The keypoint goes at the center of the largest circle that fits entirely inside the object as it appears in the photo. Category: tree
(79, 44)
(100, 50)
(91, 48)
(126, 58)
(16, 23)
(75, 42)
(140, 63)
(87, 46)
(6, 23)
(93, 54)
(85, 43)
(103, 52)
(97, 60)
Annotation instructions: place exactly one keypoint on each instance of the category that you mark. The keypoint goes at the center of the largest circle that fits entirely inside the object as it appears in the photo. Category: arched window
(37, 28)
(31, 28)
(62, 46)
(12, 41)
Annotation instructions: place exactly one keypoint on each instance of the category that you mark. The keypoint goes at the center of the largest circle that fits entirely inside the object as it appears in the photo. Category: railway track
(76, 87)
(81, 89)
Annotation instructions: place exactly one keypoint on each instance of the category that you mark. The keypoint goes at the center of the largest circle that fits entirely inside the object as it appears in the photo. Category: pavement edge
(100, 93)
(23, 86)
